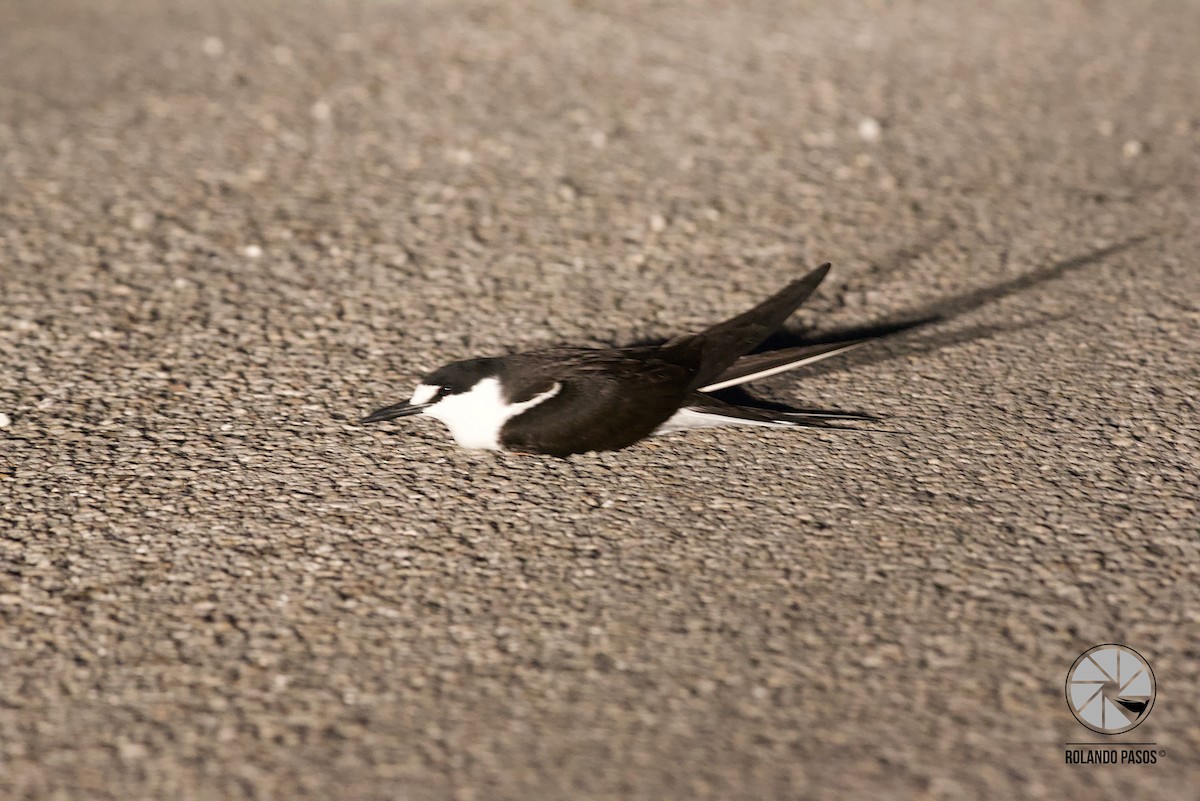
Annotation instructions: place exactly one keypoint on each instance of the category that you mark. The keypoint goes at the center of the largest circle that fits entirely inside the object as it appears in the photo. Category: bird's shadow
(906, 322)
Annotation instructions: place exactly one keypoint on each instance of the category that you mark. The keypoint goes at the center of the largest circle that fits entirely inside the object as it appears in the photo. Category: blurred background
(228, 229)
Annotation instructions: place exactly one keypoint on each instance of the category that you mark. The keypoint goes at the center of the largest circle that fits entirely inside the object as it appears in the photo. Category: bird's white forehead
(422, 394)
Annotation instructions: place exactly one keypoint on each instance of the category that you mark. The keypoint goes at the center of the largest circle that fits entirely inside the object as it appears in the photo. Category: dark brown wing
(713, 350)
(608, 399)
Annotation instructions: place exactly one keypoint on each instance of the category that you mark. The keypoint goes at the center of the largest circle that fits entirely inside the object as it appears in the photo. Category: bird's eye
(444, 391)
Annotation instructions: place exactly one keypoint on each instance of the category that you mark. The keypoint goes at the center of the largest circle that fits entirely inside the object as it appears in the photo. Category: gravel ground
(228, 229)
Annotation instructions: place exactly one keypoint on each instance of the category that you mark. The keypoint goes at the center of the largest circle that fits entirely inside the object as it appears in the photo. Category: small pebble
(869, 130)
(213, 47)
(321, 111)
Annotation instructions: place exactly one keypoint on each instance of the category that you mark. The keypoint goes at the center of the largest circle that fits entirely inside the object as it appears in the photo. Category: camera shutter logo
(1110, 688)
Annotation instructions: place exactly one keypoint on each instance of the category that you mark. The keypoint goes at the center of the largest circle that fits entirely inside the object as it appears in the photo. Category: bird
(1135, 705)
(570, 400)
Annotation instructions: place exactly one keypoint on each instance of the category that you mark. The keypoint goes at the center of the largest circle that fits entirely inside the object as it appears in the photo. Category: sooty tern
(572, 400)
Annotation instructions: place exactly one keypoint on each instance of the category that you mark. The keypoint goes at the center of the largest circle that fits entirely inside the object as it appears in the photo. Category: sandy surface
(229, 229)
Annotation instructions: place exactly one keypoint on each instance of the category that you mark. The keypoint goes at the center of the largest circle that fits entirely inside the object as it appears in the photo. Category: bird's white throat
(475, 417)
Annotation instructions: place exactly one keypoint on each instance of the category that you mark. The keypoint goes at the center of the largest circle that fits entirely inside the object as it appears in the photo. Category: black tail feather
(804, 418)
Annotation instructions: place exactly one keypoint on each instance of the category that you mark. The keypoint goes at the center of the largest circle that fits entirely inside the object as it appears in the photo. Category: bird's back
(607, 399)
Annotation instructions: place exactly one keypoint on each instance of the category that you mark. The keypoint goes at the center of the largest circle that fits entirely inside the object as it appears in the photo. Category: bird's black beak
(392, 412)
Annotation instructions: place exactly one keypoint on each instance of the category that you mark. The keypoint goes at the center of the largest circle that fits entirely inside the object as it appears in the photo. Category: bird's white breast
(476, 417)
